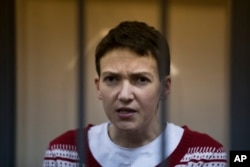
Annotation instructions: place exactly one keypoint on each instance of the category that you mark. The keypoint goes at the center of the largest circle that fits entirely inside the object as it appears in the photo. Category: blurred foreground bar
(240, 75)
(7, 83)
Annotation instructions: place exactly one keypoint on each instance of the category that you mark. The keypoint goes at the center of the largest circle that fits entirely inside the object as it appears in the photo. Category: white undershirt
(109, 154)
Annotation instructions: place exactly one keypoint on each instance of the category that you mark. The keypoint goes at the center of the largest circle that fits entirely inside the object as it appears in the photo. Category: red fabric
(190, 139)
(70, 138)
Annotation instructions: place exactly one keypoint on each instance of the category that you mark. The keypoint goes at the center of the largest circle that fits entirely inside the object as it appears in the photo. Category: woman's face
(130, 89)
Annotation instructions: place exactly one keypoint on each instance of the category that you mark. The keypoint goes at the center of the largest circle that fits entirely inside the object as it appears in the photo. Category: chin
(126, 126)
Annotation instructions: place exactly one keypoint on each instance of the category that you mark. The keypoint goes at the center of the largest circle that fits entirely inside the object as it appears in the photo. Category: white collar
(107, 153)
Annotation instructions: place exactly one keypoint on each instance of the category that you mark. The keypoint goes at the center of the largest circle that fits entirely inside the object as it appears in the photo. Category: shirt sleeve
(62, 151)
(61, 155)
(217, 157)
(49, 159)
(204, 156)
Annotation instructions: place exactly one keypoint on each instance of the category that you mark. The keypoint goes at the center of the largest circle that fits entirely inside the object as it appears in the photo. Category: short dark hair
(139, 38)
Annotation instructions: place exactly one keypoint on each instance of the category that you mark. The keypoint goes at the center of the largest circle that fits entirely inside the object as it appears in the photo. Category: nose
(126, 93)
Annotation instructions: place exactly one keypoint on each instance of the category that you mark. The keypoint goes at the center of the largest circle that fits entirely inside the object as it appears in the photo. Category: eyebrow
(143, 74)
(109, 73)
(133, 74)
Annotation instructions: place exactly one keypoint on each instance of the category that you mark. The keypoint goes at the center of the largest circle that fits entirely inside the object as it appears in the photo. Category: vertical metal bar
(239, 75)
(163, 68)
(81, 84)
(163, 16)
(8, 83)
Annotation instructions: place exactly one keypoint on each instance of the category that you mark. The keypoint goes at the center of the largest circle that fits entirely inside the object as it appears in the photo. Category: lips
(125, 112)
(125, 109)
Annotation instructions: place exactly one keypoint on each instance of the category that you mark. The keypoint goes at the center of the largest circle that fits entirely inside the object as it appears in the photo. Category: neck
(135, 138)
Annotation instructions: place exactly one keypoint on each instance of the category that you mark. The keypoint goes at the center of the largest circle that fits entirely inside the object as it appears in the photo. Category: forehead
(125, 60)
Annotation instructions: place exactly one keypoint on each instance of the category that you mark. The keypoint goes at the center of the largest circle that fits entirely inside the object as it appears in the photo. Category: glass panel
(47, 57)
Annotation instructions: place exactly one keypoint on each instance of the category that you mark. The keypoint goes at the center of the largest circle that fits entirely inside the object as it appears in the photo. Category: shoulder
(201, 149)
(63, 149)
(67, 138)
(198, 139)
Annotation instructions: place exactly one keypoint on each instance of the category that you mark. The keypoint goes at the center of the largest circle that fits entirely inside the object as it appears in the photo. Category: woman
(130, 84)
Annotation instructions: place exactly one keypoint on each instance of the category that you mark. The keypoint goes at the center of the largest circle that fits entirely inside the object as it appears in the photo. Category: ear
(165, 87)
(97, 85)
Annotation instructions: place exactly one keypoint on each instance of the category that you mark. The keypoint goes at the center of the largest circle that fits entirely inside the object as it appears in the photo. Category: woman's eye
(110, 80)
(142, 80)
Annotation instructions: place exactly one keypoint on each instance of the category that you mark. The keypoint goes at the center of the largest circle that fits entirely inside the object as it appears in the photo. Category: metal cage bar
(81, 140)
(164, 107)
